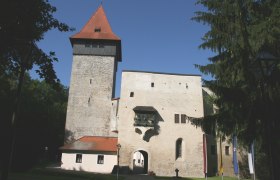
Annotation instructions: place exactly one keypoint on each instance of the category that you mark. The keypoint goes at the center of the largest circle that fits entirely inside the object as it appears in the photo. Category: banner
(235, 160)
(251, 159)
(250, 163)
(221, 169)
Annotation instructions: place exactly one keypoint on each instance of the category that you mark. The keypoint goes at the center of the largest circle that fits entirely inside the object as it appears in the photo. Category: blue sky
(157, 35)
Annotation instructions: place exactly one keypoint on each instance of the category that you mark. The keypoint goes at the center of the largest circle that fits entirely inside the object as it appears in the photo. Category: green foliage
(41, 120)
(245, 36)
(22, 24)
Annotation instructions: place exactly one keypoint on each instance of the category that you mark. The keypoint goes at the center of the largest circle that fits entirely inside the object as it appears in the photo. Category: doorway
(140, 162)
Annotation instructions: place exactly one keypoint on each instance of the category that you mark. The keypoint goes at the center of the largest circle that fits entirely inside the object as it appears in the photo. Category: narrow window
(100, 159)
(139, 161)
(183, 118)
(100, 45)
(213, 150)
(94, 45)
(227, 150)
(179, 148)
(131, 94)
(176, 118)
(187, 85)
(152, 84)
(90, 81)
(79, 158)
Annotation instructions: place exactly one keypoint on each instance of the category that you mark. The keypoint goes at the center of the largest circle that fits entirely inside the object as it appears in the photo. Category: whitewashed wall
(139, 159)
(171, 94)
(89, 163)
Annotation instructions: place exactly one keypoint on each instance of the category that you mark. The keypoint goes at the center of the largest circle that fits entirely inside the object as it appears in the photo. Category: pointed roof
(97, 27)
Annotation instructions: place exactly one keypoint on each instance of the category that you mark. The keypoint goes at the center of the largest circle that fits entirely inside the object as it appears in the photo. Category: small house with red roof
(90, 153)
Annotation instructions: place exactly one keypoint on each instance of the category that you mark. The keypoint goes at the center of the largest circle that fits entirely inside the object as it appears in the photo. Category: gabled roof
(97, 28)
(93, 143)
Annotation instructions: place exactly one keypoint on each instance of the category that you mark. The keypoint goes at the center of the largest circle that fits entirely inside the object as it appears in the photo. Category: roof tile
(93, 143)
(97, 27)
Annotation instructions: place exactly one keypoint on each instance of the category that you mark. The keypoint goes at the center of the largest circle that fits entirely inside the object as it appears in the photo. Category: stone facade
(171, 94)
(90, 94)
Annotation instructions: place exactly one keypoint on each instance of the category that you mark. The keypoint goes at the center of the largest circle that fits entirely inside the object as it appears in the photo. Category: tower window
(90, 81)
(187, 85)
(79, 158)
(97, 29)
(179, 148)
(131, 94)
(176, 118)
(152, 84)
(100, 45)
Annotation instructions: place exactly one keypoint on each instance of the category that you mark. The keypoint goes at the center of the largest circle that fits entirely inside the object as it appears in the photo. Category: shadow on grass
(57, 174)
(209, 178)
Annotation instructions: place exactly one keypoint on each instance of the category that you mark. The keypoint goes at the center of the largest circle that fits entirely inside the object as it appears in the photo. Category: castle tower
(96, 53)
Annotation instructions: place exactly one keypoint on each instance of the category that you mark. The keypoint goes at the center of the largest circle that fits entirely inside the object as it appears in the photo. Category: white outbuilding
(90, 153)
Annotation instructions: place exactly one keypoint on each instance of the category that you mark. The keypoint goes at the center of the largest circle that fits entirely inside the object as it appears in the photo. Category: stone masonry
(90, 94)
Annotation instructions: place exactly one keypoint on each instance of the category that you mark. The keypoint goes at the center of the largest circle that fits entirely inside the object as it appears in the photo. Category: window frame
(100, 159)
(177, 118)
(183, 118)
(79, 158)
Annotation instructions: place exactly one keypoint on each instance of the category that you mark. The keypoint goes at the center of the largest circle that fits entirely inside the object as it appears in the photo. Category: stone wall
(172, 94)
(90, 94)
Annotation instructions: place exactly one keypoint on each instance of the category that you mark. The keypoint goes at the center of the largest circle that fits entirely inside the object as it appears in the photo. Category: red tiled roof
(97, 22)
(93, 143)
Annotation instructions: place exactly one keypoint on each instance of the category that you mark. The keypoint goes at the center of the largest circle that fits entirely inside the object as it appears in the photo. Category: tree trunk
(8, 156)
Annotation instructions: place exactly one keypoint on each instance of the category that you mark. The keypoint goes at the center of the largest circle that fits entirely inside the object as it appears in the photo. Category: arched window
(179, 148)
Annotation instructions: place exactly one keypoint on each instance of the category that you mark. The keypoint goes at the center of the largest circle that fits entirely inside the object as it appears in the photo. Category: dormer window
(97, 29)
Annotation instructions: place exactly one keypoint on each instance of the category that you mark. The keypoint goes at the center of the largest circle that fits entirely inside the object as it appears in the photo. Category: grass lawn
(43, 174)
(53, 174)
(209, 178)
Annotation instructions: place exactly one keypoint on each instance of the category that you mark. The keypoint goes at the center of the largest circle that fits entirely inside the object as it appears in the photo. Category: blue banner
(235, 160)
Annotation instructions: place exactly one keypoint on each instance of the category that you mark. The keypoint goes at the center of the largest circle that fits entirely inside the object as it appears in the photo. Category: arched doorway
(140, 162)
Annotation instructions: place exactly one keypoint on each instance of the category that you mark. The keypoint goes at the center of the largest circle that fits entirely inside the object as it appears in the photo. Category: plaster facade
(90, 94)
(89, 162)
(169, 94)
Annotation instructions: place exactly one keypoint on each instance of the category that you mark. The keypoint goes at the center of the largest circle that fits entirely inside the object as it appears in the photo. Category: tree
(245, 36)
(41, 123)
(22, 24)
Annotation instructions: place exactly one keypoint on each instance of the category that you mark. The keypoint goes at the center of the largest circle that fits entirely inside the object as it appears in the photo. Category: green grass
(43, 174)
(53, 174)
(209, 178)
